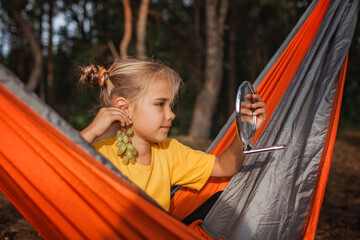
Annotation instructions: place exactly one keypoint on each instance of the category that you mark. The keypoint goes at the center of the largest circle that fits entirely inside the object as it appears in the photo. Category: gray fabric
(270, 196)
(14, 85)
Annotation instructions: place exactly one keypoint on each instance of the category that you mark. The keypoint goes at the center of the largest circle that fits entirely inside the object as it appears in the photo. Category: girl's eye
(160, 104)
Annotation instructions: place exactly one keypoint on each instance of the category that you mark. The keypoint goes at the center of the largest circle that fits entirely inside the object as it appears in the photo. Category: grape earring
(125, 149)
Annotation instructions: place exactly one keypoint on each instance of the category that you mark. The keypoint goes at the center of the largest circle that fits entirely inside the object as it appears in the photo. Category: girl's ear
(122, 104)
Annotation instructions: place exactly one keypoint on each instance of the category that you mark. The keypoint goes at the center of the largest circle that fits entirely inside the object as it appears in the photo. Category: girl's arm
(229, 162)
(102, 122)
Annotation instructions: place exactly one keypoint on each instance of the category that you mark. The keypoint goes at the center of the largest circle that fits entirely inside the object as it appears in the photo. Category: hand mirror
(245, 124)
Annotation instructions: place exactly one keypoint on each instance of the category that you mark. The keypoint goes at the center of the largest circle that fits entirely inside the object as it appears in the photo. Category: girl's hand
(256, 107)
(105, 118)
(229, 162)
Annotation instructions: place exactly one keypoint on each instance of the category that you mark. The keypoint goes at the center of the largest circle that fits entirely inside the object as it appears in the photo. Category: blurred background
(43, 43)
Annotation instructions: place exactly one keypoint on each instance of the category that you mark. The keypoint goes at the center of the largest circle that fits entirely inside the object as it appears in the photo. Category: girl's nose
(171, 115)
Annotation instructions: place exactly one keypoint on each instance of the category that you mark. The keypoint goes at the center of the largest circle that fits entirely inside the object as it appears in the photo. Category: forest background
(213, 44)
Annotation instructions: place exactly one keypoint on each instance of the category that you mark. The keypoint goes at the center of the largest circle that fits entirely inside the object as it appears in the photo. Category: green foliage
(83, 109)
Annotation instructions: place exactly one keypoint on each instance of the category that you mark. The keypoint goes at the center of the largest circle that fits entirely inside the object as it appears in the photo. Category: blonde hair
(129, 78)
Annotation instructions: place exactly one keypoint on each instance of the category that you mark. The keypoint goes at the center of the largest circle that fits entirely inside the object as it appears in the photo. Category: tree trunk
(113, 49)
(207, 99)
(127, 29)
(232, 78)
(50, 58)
(231, 86)
(197, 70)
(141, 29)
(35, 51)
(42, 82)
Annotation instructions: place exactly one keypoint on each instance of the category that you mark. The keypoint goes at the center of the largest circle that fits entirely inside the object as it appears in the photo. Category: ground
(340, 212)
(339, 216)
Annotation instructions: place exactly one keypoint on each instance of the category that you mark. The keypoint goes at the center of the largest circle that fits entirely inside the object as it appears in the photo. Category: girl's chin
(162, 138)
(158, 139)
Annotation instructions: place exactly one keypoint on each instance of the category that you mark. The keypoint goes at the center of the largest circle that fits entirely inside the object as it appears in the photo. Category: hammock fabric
(65, 189)
(279, 195)
(317, 27)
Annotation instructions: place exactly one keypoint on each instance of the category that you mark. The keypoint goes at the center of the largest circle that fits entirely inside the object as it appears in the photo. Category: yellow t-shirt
(172, 163)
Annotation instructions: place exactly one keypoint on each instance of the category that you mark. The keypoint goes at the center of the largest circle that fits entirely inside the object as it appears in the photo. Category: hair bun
(91, 75)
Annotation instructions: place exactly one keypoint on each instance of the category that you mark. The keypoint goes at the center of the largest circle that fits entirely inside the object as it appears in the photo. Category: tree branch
(35, 51)
(127, 29)
(112, 48)
(141, 28)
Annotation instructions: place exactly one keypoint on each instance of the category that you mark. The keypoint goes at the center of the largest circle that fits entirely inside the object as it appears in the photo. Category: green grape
(132, 160)
(125, 139)
(121, 149)
(119, 152)
(125, 160)
(129, 132)
(129, 153)
(125, 148)
(129, 146)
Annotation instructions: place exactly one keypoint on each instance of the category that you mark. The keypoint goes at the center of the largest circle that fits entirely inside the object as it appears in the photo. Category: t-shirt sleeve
(190, 168)
(104, 147)
(100, 146)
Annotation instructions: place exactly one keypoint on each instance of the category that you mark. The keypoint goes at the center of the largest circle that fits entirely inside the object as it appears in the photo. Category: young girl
(140, 94)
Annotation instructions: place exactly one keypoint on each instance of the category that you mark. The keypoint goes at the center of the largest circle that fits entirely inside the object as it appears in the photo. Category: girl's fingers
(119, 115)
(256, 97)
(105, 118)
(123, 120)
(246, 109)
(108, 116)
(257, 105)
(245, 105)
(246, 112)
(260, 111)
(248, 96)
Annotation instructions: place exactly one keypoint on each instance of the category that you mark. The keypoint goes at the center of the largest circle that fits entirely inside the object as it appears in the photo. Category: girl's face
(152, 116)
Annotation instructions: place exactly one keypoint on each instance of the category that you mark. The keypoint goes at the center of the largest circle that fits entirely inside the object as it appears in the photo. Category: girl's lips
(166, 127)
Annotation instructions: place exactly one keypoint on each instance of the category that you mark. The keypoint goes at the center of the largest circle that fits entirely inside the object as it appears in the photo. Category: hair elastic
(101, 82)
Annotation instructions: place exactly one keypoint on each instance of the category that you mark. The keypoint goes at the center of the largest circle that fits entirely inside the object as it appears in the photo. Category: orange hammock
(66, 190)
(63, 191)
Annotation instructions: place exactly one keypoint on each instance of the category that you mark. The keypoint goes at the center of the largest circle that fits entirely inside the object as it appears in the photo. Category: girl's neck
(143, 149)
